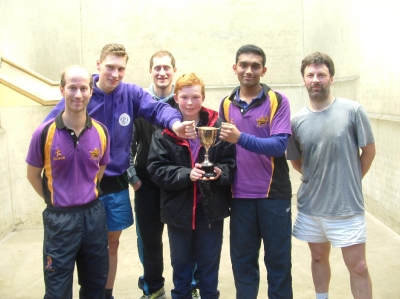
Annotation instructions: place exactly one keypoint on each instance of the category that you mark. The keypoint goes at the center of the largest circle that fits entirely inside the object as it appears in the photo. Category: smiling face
(249, 69)
(162, 72)
(190, 100)
(76, 89)
(317, 81)
(111, 72)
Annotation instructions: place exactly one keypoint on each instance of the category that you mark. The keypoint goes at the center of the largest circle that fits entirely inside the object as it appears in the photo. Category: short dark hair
(251, 49)
(64, 72)
(162, 53)
(318, 58)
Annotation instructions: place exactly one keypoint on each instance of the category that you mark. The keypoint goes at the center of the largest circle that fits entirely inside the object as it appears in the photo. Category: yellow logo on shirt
(94, 153)
(262, 121)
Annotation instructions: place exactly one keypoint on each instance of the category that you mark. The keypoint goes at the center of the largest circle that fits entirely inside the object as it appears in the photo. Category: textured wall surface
(6, 205)
(360, 40)
(381, 186)
(19, 124)
(202, 35)
(44, 36)
(11, 98)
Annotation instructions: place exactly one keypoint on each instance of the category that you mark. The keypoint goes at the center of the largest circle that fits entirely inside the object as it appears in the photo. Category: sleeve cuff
(132, 177)
(133, 180)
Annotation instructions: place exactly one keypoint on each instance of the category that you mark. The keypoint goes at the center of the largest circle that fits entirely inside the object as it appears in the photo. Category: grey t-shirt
(328, 143)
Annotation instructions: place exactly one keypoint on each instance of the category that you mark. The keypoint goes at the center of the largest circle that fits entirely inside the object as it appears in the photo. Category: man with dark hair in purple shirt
(258, 122)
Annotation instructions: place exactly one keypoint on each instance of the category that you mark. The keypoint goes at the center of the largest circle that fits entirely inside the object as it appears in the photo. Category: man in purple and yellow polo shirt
(258, 122)
(72, 151)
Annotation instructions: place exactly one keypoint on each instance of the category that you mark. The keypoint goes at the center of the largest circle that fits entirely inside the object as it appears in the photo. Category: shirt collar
(60, 123)
(244, 104)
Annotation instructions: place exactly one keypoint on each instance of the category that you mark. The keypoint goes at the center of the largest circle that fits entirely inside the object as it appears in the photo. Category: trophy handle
(218, 138)
(217, 143)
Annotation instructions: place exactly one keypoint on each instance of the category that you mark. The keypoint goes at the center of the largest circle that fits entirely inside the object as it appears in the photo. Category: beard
(320, 95)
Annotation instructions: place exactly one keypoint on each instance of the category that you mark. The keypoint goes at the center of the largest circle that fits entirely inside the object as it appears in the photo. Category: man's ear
(62, 91)
(264, 71)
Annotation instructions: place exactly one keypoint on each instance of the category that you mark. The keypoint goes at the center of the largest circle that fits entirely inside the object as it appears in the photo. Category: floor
(21, 269)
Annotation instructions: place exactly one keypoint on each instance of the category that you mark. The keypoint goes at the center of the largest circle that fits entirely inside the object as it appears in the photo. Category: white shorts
(339, 231)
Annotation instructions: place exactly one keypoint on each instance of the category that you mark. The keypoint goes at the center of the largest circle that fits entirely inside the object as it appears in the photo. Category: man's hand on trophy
(185, 129)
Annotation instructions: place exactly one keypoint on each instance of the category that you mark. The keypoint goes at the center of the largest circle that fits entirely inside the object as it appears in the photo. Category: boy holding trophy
(193, 205)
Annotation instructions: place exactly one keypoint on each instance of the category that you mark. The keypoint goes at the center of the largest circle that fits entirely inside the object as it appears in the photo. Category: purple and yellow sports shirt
(71, 163)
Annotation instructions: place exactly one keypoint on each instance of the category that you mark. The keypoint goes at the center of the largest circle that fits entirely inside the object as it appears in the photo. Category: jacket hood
(166, 99)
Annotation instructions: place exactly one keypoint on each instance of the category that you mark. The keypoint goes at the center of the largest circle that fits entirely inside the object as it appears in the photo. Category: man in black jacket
(147, 195)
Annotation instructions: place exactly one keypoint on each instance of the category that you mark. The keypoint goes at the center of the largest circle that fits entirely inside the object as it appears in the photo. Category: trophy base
(209, 170)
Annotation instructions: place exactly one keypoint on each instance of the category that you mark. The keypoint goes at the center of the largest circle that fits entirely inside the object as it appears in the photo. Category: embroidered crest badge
(49, 265)
(94, 153)
(262, 121)
(124, 119)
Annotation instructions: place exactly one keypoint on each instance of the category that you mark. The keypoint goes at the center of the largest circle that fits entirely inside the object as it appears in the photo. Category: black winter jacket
(169, 165)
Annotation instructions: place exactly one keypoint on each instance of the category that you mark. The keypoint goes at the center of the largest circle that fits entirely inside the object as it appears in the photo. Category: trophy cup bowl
(208, 136)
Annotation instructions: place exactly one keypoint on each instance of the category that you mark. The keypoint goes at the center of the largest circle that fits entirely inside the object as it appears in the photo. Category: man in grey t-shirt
(327, 136)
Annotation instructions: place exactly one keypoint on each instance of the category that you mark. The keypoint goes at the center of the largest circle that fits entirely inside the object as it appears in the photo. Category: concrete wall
(6, 205)
(359, 38)
(380, 91)
(20, 206)
(204, 36)
(11, 98)
(42, 35)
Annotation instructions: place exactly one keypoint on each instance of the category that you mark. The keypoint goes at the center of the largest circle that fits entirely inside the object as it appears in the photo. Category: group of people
(106, 135)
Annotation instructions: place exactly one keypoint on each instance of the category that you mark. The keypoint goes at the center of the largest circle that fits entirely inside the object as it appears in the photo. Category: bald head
(75, 71)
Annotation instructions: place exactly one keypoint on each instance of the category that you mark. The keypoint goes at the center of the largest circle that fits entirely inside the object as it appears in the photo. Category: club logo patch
(94, 153)
(124, 119)
(262, 121)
